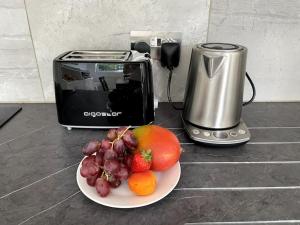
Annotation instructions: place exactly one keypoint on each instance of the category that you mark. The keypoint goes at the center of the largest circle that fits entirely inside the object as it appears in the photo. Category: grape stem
(119, 136)
(104, 173)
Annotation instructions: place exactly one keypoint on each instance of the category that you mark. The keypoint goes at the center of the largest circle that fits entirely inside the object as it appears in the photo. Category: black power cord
(253, 90)
(170, 55)
(168, 90)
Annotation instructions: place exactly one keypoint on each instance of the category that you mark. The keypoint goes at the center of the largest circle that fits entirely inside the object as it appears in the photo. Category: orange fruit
(142, 183)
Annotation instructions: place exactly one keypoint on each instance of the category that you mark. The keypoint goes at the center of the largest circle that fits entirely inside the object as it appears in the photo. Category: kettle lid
(220, 46)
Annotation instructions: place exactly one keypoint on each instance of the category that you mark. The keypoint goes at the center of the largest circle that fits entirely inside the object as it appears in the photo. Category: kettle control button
(233, 134)
(206, 133)
(220, 134)
(196, 131)
(241, 131)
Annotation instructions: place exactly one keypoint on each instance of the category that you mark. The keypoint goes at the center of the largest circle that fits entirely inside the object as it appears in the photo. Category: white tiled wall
(33, 32)
(271, 31)
(60, 25)
(19, 77)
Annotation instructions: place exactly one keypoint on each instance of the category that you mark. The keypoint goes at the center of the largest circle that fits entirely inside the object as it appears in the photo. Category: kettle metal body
(215, 85)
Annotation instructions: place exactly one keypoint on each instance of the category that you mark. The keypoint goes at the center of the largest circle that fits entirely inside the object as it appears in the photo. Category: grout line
(250, 128)
(159, 124)
(273, 143)
(256, 143)
(51, 207)
(16, 68)
(248, 222)
(187, 197)
(257, 162)
(238, 188)
(37, 181)
(209, 3)
(177, 135)
(9, 7)
(12, 36)
(176, 128)
(34, 50)
(23, 135)
(257, 128)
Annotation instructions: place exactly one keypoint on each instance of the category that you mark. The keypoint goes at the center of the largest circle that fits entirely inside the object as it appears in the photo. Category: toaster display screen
(103, 94)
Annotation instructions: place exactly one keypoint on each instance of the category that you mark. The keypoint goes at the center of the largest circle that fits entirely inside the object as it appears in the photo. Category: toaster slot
(98, 53)
(97, 56)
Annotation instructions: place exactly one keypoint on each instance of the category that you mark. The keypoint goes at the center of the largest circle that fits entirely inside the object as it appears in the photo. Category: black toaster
(103, 89)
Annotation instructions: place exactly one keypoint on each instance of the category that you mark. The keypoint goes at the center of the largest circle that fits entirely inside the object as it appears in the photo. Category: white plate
(122, 197)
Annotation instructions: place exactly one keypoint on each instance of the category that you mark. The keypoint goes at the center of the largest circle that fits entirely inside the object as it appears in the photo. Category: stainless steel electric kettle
(214, 94)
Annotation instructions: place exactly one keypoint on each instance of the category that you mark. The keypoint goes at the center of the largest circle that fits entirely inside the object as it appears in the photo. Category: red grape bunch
(108, 162)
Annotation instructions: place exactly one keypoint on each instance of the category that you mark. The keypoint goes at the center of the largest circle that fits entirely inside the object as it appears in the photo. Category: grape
(89, 169)
(92, 168)
(101, 150)
(110, 154)
(90, 147)
(84, 171)
(123, 165)
(128, 161)
(120, 131)
(129, 132)
(88, 159)
(119, 147)
(105, 144)
(129, 140)
(99, 158)
(123, 173)
(121, 158)
(113, 160)
(112, 134)
(92, 180)
(112, 166)
(115, 183)
(102, 187)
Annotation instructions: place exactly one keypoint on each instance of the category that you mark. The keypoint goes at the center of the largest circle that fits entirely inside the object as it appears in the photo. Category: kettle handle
(253, 90)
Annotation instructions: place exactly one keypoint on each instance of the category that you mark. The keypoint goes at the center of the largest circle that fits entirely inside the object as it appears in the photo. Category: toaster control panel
(236, 135)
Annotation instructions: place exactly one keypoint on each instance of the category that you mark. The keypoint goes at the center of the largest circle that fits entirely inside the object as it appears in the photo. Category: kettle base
(225, 137)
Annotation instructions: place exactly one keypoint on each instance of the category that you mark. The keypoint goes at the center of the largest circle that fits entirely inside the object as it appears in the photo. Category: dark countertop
(258, 181)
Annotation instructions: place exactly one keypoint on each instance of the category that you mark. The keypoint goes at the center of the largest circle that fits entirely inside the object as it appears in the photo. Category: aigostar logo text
(102, 114)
